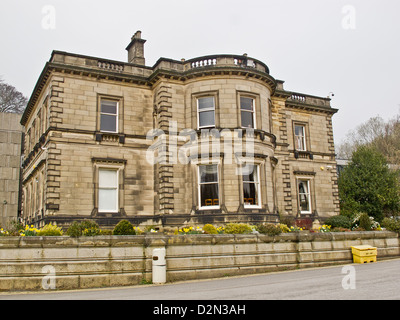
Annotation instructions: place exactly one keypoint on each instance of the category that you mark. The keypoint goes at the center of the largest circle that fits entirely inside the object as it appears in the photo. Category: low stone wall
(26, 263)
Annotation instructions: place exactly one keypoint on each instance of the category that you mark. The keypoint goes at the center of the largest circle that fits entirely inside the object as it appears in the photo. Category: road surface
(375, 281)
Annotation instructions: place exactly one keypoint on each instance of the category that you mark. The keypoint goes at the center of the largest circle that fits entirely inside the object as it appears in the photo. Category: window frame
(307, 194)
(116, 188)
(118, 165)
(199, 184)
(195, 121)
(303, 138)
(244, 110)
(116, 114)
(256, 166)
(206, 110)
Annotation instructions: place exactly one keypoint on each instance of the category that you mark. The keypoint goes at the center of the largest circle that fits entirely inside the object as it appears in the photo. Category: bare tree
(364, 134)
(382, 136)
(11, 100)
(389, 142)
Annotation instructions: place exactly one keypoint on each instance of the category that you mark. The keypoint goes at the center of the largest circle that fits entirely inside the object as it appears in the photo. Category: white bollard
(159, 266)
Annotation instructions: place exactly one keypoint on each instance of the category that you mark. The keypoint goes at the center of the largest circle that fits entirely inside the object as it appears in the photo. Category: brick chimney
(136, 49)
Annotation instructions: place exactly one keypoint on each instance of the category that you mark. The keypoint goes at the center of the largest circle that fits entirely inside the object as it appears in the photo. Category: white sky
(306, 43)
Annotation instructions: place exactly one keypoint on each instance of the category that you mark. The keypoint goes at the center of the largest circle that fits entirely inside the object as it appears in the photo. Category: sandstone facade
(172, 144)
(10, 165)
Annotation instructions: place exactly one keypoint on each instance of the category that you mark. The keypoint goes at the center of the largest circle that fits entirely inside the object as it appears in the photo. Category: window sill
(303, 154)
(209, 210)
(251, 207)
(110, 137)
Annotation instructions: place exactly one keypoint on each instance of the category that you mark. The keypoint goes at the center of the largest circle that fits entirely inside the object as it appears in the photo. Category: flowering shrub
(221, 230)
(50, 230)
(284, 228)
(210, 229)
(325, 228)
(140, 231)
(295, 229)
(124, 227)
(362, 221)
(91, 232)
(29, 231)
(238, 228)
(190, 230)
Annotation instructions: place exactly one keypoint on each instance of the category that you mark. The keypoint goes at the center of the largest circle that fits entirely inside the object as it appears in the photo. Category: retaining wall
(104, 261)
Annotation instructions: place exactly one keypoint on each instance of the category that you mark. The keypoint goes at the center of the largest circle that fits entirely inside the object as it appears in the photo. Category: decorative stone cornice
(184, 70)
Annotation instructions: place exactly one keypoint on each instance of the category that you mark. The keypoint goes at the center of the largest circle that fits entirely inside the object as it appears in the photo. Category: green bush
(210, 229)
(289, 221)
(269, 229)
(339, 221)
(14, 227)
(74, 230)
(365, 222)
(106, 232)
(391, 224)
(50, 230)
(91, 232)
(124, 228)
(238, 228)
(368, 185)
(85, 228)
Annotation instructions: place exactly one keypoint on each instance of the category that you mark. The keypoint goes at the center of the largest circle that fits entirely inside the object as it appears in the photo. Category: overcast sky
(350, 48)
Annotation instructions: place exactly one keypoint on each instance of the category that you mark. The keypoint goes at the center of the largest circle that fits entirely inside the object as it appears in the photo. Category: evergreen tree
(368, 185)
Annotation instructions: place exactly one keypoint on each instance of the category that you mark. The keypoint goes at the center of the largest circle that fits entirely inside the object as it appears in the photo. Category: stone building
(212, 139)
(10, 166)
